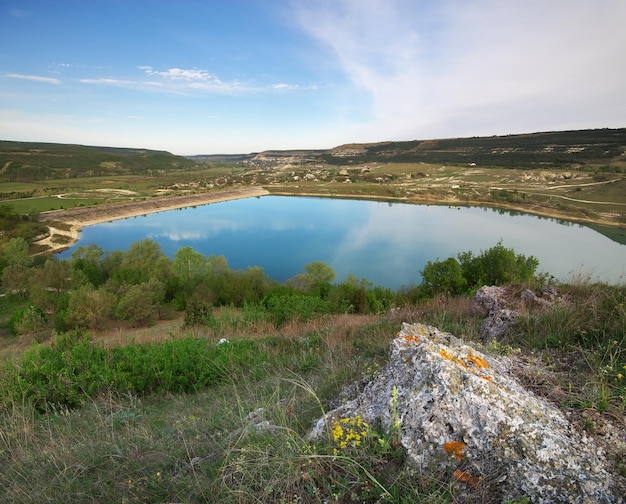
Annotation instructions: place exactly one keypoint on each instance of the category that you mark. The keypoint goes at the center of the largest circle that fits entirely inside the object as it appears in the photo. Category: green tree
(48, 282)
(141, 303)
(15, 280)
(28, 320)
(15, 251)
(86, 265)
(497, 266)
(88, 307)
(190, 266)
(443, 277)
(144, 260)
(317, 276)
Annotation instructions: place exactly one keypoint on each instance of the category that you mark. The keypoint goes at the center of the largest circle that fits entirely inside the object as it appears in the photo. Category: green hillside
(536, 150)
(26, 161)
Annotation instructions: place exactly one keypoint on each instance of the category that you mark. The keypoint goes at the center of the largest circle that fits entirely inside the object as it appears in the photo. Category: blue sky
(240, 76)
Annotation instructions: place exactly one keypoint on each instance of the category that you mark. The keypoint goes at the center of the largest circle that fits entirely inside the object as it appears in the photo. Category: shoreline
(78, 218)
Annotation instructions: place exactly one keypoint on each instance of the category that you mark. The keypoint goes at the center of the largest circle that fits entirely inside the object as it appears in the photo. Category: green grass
(122, 444)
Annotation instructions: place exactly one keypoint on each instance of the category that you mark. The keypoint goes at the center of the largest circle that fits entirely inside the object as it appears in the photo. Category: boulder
(463, 416)
(496, 324)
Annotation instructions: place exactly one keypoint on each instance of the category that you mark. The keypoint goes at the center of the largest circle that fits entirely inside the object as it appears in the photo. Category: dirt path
(75, 219)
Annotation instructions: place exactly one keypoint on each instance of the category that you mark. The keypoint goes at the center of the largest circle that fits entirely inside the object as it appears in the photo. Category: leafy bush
(198, 313)
(497, 266)
(27, 320)
(72, 368)
(444, 277)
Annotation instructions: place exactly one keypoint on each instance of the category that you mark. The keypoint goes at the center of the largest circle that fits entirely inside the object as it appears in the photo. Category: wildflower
(620, 376)
(348, 433)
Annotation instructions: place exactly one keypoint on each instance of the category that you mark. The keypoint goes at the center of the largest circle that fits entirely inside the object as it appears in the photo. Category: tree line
(142, 285)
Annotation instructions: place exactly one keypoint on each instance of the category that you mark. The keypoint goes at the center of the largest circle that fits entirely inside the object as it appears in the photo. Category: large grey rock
(462, 410)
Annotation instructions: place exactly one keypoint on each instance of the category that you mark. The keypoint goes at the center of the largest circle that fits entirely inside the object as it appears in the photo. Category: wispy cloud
(122, 83)
(191, 81)
(36, 78)
(481, 67)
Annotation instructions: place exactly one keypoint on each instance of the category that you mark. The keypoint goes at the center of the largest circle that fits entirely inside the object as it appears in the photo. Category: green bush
(444, 277)
(198, 313)
(72, 368)
(28, 320)
(497, 266)
(294, 306)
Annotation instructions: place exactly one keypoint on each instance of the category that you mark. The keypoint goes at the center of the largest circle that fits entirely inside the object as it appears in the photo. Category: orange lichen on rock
(466, 477)
(448, 356)
(455, 449)
(479, 362)
(412, 338)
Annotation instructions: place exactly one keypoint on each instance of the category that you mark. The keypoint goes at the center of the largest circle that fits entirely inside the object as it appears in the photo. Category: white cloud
(186, 81)
(476, 67)
(123, 83)
(36, 78)
(180, 74)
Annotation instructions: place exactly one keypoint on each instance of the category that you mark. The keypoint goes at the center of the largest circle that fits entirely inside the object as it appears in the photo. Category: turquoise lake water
(385, 243)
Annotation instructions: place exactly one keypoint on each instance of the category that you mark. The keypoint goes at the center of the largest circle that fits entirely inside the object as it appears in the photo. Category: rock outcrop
(463, 416)
(495, 302)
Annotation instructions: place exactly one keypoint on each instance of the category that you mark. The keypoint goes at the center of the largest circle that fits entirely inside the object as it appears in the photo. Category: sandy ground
(78, 218)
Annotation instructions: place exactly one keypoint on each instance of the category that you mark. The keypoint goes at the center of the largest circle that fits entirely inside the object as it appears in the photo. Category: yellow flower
(620, 376)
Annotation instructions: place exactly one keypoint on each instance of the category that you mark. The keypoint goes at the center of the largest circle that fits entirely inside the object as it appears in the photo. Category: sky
(240, 76)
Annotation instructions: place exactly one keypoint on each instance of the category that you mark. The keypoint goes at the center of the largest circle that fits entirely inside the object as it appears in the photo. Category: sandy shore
(78, 218)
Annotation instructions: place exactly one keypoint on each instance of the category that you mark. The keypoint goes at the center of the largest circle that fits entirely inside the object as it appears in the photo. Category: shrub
(497, 266)
(294, 306)
(445, 277)
(198, 313)
(28, 320)
(72, 368)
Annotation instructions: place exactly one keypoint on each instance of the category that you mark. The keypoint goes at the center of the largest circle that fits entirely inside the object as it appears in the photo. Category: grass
(244, 438)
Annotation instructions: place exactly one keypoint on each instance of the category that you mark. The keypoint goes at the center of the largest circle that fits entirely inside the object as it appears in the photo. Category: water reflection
(386, 243)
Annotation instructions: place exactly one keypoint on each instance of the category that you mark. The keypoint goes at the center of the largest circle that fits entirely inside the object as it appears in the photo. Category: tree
(15, 251)
(48, 282)
(89, 307)
(86, 265)
(189, 266)
(317, 275)
(320, 272)
(141, 303)
(497, 266)
(15, 279)
(28, 320)
(444, 277)
(143, 260)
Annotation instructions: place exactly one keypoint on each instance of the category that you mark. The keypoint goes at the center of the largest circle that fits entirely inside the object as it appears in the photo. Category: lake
(386, 243)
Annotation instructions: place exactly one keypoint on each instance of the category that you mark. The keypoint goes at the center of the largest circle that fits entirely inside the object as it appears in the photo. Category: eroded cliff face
(463, 413)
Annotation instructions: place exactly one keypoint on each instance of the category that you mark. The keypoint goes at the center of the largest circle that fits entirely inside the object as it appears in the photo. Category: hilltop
(534, 150)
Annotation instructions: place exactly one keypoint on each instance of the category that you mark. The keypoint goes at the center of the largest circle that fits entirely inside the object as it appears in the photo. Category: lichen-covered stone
(463, 414)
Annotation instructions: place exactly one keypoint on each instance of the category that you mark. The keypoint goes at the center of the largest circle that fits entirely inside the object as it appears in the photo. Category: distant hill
(25, 161)
(550, 149)
(532, 150)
